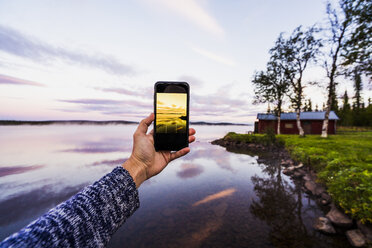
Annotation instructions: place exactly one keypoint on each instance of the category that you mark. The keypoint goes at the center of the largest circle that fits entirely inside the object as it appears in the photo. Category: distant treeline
(85, 122)
(68, 122)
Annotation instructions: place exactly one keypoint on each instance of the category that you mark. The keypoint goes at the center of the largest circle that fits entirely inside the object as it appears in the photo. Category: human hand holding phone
(144, 161)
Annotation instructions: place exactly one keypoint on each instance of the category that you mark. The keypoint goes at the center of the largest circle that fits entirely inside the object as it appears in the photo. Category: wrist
(136, 170)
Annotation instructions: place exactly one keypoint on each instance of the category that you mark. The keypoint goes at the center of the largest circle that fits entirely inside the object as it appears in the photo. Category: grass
(343, 163)
(342, 129)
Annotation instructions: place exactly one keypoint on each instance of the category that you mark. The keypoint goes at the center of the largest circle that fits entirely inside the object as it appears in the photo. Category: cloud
(16, 43)
(214, 57)
(133, 108)
(4, 79)
(194, 12)
(93, 101)
(141, 92)
(11, 170)
(192, 81)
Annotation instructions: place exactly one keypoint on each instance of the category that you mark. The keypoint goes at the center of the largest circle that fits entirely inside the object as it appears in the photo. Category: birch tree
(294, 55)
(271, 86)
(337, 41)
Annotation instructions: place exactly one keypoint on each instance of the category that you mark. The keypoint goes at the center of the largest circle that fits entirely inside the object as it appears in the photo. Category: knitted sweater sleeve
(88, 219)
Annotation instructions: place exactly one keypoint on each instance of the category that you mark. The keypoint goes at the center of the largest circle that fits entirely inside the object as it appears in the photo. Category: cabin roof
(319, 115)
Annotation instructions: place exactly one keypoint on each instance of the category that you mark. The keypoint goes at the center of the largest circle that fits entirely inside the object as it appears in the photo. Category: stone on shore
(338, 218)
(366, 230)
(287, 171)
(297, 174)
(326, 198)
(319, 190)
(307, 177)
(356, 238)
(323, 224)
(310, 186)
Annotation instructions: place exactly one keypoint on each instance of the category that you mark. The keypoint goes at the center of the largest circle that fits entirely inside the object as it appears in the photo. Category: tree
(345, 112)
(357, 50)
(271, 87)
(337, 41)
(358, 87)
(308, 105)
(334, 105)
(293, 55)
(316, 108)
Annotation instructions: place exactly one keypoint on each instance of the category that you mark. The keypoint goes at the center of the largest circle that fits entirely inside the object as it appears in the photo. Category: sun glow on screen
(171, 111)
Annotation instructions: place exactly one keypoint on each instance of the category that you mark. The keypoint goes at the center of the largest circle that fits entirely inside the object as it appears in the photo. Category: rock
(287, 171)
(310, 186)
(303, 173)
(338, 218)
(356, 238)
(326, 197)
(286, 162)
(300, 165)
(297, 174)
(319, 190)
(307, 177)
(366, 230)
(324, 225)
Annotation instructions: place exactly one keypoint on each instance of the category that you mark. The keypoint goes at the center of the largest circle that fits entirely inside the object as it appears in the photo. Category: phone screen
(171, 110)
(171, 115)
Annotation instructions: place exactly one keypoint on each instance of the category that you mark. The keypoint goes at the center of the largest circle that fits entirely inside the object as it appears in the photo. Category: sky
(99, 60)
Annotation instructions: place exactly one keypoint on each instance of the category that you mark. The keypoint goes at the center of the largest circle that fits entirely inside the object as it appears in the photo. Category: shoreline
(109, 122)
(335, 221)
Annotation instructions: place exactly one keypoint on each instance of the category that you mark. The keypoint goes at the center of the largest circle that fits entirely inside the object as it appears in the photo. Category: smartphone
(171, 108)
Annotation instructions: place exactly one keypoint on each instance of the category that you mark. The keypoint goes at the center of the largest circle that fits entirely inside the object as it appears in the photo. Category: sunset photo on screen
(171, 112)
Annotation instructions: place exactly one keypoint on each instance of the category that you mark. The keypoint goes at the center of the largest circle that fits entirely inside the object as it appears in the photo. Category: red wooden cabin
(311, 122)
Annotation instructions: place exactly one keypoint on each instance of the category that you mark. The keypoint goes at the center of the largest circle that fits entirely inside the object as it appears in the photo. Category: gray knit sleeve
(88, 219)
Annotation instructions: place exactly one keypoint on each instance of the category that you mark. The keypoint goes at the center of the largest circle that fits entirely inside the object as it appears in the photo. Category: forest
(341, 47)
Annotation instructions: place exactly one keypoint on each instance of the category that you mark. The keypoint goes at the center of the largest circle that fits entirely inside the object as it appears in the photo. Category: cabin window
(288, 125)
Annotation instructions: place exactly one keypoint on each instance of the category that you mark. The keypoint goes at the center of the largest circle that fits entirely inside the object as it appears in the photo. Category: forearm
(88, 219)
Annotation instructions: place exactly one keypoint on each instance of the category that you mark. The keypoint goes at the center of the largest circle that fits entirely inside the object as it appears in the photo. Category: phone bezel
(172, 147)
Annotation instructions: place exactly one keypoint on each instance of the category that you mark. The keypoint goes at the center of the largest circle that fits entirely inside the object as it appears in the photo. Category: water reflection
(281, 205)
(112, 162)
(221, 194)
(218, 155)
(224, 199)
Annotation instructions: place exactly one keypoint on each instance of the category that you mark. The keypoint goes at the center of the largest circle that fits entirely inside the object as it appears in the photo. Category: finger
(145, 123)
(191, 139)
(192, 131)
(151, 132)
(179, 153)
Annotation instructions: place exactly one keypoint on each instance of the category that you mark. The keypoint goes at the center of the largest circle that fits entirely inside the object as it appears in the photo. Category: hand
(145, 162)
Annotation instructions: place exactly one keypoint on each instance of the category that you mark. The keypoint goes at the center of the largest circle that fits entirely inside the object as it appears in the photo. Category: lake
(209, 198)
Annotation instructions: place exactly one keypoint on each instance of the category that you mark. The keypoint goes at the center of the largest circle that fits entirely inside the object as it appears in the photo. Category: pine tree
(358, 87)
(345, 113)
(334, 101)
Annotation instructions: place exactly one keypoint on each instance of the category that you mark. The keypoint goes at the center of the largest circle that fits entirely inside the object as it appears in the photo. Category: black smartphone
(171, 108)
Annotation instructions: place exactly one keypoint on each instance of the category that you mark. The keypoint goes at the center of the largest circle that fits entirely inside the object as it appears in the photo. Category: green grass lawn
(343, 163)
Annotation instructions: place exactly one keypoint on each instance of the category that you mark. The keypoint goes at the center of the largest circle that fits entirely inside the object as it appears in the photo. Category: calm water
(209, 198)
